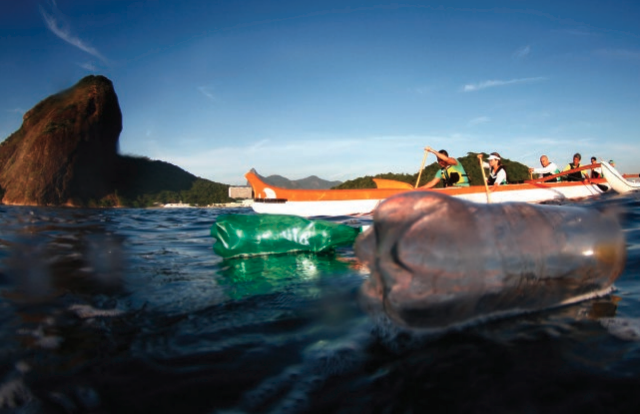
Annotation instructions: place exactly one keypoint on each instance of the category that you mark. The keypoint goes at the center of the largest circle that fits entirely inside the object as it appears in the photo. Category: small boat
(617, 181)
(270, 199)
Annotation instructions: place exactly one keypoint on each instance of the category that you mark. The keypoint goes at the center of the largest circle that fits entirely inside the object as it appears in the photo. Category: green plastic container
(250, 235)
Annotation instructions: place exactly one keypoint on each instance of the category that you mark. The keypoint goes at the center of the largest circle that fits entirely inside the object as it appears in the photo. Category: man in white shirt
(548, 168)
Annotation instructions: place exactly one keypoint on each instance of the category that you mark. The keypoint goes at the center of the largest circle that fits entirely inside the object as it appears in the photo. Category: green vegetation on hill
(143, 182)
(367, 180)
(516, 173)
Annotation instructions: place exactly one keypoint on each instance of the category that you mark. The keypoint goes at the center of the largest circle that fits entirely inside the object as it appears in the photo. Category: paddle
(424, 159)
(484, 180)
(562, 173)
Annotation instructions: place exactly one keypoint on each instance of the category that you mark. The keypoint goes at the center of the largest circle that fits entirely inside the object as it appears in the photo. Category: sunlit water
(130, 310)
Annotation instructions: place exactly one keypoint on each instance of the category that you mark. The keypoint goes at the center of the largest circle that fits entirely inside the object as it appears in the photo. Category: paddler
(548, 169)
(451, 172)
(497, 172)
(577, 175)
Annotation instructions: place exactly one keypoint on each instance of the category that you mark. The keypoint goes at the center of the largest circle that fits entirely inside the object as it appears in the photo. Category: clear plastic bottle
(436, 260)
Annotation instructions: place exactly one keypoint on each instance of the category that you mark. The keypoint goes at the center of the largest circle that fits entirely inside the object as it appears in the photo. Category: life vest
(550, 174)
(595, 174)
(575, 176)
(454, 175)
(493, 175)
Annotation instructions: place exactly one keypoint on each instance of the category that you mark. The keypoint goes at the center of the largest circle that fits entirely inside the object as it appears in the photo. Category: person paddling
(548, 168)
(451, 172)
(497, 173)
(577, 175)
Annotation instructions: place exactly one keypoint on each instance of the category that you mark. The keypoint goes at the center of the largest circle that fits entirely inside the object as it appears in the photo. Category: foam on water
(627, 329)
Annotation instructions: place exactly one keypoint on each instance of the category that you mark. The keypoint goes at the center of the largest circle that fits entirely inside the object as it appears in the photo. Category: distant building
(240, 192)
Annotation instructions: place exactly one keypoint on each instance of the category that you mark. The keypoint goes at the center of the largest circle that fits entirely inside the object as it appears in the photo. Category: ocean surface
(131, 311)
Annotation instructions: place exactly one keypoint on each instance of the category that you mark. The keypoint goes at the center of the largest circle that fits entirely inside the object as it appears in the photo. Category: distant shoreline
(245, 203)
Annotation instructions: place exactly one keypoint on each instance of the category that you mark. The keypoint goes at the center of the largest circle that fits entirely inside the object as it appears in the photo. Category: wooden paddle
(424, 159)
(484, 179)
(563, 173)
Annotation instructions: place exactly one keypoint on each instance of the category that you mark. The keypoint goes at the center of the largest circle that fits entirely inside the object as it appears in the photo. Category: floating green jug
(249, 235)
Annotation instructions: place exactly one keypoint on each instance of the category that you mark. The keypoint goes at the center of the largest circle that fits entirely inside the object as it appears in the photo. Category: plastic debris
(437, 261)
(249, 235)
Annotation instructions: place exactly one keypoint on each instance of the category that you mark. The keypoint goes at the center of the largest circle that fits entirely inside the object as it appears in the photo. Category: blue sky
(338, 89)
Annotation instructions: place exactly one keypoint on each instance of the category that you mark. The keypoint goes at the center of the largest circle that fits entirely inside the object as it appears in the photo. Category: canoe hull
(269, 199)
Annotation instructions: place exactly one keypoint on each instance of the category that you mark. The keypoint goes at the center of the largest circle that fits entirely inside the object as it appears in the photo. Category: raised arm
(447, 159)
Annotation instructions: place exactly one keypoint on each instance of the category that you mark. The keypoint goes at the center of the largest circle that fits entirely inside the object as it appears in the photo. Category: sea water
(131, 311)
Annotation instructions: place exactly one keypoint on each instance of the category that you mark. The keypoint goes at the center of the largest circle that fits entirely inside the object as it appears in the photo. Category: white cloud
(88, 66)
(578, 32)
(479, 120)
(206, 91)
(522, 52)
(330, 158)
(619, 53)
(258, 145)
(422, 90)
(60, 28)
(494, 83)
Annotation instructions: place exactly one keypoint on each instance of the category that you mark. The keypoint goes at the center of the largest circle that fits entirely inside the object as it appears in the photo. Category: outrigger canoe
(269, 199)
(617, 181)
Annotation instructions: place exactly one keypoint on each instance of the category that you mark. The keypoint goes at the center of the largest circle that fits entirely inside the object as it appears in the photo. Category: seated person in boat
(548, 169)
(597, 171)
(497, 173)
(451, 171)
(577, 175)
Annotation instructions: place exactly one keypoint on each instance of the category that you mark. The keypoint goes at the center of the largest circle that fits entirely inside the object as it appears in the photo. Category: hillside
(143, 182)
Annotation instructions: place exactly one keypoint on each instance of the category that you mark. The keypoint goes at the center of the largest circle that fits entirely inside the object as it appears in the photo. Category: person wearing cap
(497, 173)
(548, 168)
(596, 172)
(612, 163)
(577, 175)
(451, 172)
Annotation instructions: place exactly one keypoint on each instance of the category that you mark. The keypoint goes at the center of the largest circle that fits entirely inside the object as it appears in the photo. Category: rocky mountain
(66, 148)
(66, 153)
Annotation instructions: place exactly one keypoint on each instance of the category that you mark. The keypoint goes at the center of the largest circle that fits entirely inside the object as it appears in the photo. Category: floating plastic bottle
(438, 261)
(249, 235)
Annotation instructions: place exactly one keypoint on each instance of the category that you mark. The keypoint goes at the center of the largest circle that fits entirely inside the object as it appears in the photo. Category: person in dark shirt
(596, 172)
